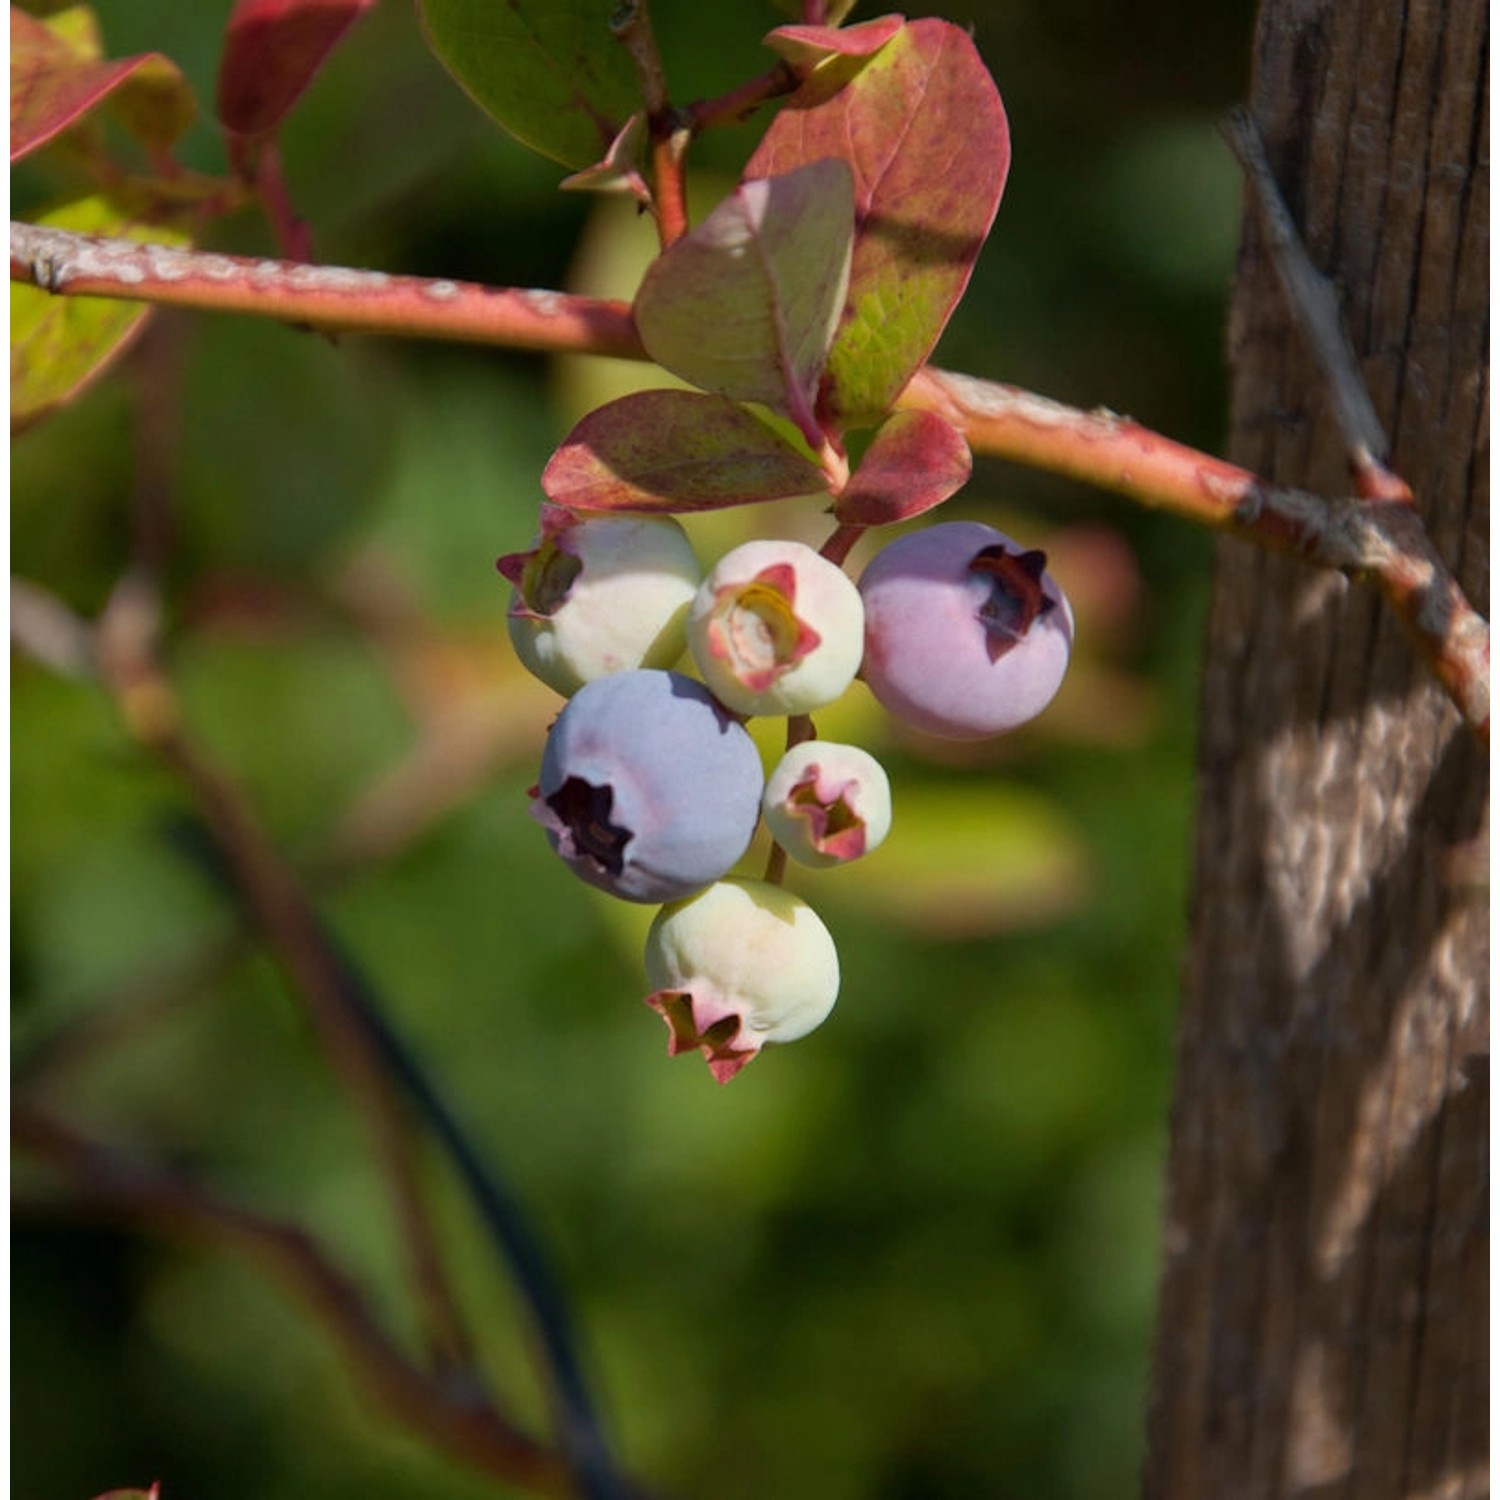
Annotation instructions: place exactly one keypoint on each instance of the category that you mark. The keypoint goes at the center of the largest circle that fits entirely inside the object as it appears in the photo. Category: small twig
(257, 161)
(737, 104)
(148, 705)
(1312, 298)
(459, 1420)
(631, 26)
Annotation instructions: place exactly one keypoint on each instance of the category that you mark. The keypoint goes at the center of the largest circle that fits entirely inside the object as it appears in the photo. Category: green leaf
(59, 345)
(57, 78)
(548, 71)
(916, 461)
(923, 130)
(672, 451)
(745, 305)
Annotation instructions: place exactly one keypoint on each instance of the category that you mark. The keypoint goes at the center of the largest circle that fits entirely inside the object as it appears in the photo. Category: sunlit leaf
(745, 304)
(660, 451)
(916, 461)
(58, 345)
(272, 49)
(923, 129)
(549, 71)
(56, 78)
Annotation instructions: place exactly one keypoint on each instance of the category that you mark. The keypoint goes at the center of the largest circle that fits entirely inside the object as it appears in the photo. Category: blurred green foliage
(911, 1256)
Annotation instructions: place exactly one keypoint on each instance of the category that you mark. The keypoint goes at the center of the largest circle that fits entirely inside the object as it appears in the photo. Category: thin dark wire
(580, 1435)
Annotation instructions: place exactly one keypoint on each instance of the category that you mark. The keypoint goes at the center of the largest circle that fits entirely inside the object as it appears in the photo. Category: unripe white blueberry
(966, 633)
(826, 804)
(738, 965)
(776, 629)
(600, 594)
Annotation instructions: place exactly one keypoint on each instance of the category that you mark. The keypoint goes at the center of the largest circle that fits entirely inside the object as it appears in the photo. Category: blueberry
(736, 966)
(600, 594)
(827, 803)
(776, 629)
(966, 633)
(649, 789)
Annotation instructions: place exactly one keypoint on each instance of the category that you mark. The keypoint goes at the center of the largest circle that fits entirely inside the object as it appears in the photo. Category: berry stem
(841, 542)
(799, 728)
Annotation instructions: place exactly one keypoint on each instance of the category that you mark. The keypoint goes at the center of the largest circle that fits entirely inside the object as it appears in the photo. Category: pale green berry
(738, 965)
(598, 595)
(826, 803)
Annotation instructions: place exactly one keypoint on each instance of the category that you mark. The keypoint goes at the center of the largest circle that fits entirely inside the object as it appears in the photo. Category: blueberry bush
(767, 732)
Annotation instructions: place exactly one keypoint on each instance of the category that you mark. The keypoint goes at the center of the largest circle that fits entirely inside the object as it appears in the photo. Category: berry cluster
(651, 788)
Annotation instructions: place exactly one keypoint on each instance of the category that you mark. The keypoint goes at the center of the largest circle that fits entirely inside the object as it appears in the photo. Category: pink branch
(326, 297)
(1380, 538)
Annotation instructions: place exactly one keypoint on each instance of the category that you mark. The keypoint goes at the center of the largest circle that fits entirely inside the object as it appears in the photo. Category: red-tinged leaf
(55, 81)
(922, 127)
(272, 49)
(548, 71)
(804, 48)
(60, 345)
(154, 1493)
(915, 462)
(745, 305)
(672, 451)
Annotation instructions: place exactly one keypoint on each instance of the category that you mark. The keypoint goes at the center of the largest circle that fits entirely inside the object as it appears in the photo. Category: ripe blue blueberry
(649, 789)
(966, 633)
(600, 594)
(736, 966)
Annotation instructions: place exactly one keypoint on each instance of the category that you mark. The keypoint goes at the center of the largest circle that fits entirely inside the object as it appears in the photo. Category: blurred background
(912, 1256)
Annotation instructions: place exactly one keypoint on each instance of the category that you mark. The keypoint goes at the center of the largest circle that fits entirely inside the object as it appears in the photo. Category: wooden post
(1323, 1321)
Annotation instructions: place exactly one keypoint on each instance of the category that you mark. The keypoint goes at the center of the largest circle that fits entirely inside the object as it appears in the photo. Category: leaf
(745, 305)
(272, 49)
(916, 461)
(804, 48)
(56, 78)
(59, 345)
(925, 134)
(548, 71)
(665, 451)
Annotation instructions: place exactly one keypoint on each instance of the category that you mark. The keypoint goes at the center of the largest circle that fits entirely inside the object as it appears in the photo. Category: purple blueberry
(649, 789)
(966, 633)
